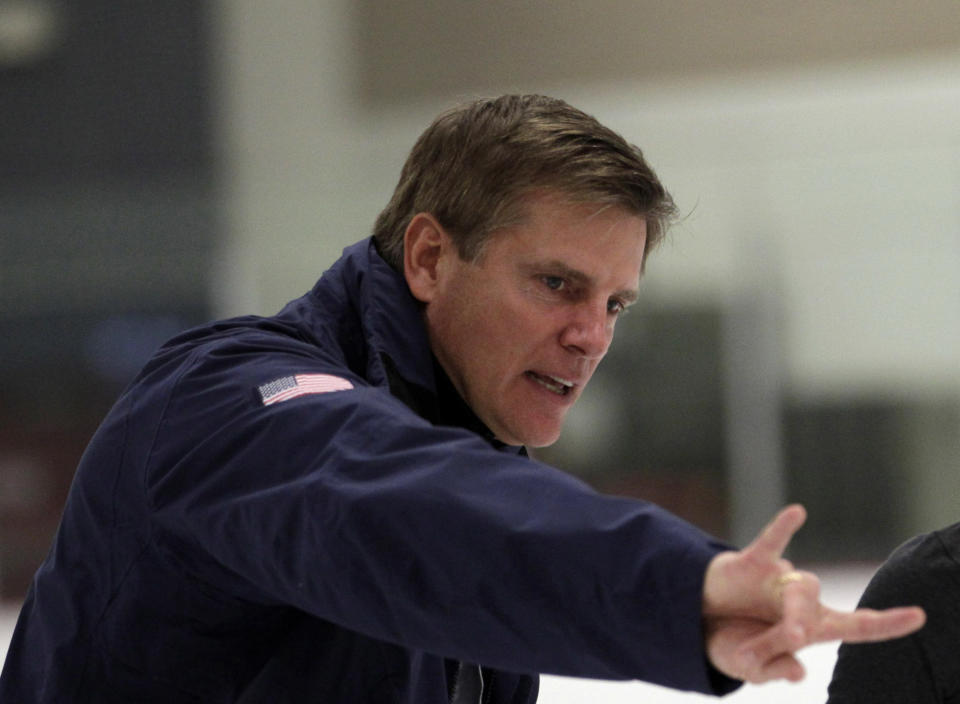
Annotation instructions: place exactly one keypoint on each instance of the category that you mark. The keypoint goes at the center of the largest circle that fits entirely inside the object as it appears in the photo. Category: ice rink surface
(841, 588)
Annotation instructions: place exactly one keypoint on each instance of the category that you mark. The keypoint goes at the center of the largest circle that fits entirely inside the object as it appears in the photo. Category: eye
(554, 283)
(616, 307)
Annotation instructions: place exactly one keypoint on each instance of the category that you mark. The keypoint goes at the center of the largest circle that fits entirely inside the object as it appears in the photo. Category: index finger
(769, 545)
(868, 625)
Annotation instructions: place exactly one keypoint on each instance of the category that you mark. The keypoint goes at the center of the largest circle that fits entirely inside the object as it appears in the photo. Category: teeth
(555, 384)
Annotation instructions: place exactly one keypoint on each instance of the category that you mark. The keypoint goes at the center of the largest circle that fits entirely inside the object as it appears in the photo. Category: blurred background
(798, 337)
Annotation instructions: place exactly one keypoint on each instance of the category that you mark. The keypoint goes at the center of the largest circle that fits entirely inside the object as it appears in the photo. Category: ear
(425, 243)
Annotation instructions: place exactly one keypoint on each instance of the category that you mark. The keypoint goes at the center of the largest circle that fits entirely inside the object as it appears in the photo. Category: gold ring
(788, 577)
(785, 579)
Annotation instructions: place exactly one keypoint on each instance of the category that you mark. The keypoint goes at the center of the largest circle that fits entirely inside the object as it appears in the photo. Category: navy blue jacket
(301, 509)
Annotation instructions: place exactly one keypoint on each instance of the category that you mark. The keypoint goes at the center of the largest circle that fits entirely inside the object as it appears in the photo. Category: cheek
(496, 347)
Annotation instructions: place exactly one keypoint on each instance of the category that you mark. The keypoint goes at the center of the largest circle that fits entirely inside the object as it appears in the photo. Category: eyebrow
(577, 277)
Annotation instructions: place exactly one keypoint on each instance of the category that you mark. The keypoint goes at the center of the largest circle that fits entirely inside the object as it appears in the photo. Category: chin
(536, 432)
(543, 438)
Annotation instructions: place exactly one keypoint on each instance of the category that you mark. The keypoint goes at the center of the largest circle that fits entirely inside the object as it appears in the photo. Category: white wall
(849, 183)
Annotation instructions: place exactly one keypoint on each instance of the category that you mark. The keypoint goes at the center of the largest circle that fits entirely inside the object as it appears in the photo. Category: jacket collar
(391, 324)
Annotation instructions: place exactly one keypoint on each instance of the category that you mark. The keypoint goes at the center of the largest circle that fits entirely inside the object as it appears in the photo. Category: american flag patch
(288, 387)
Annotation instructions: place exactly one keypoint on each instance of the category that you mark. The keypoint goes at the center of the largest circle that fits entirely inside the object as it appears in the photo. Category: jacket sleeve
(350, 507)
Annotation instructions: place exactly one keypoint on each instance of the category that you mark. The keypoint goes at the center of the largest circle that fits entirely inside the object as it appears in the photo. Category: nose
(589, 332)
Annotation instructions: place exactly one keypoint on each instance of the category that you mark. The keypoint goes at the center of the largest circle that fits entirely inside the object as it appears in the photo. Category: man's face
(521, 331)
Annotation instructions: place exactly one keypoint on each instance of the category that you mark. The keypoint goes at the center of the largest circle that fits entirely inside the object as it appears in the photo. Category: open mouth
(559, 386)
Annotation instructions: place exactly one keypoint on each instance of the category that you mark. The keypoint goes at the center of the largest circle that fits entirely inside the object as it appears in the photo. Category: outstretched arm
(759, 611)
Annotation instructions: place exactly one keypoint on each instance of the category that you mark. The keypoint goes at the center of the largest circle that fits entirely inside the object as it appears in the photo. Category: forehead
(568, 217)
(584, 240)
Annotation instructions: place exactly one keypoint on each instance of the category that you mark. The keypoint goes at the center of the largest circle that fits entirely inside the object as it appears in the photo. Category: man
(334, 505)
(921, 669)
